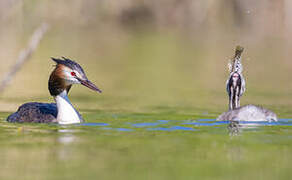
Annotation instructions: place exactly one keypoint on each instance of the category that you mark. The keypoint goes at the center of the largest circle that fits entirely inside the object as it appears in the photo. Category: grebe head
(67, 73)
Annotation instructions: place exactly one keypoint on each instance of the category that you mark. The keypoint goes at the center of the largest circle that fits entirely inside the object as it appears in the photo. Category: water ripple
(94, 124)
(147, 124)
(175, 125)
(173, 128)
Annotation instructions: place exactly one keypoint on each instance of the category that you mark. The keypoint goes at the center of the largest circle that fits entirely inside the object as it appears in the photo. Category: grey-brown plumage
(35, 112)
(65, 74)
(248, 113)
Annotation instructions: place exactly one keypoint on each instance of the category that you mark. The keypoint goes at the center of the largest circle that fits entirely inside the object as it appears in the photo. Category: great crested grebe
(66, 73)
(235, 89)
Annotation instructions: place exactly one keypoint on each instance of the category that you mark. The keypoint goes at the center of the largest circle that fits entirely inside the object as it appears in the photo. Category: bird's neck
(56, 83)
(67, 114)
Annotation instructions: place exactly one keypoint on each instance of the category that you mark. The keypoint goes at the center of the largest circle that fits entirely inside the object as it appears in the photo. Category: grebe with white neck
(66, 73)
(235, 89)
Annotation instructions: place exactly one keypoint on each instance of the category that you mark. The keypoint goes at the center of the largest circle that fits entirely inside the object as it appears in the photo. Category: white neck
(67, 114)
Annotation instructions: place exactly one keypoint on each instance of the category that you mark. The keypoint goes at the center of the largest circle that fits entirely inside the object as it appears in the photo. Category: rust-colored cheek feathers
(57, 83)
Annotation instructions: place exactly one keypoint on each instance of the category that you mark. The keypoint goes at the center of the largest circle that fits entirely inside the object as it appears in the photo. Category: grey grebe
(66, 73)
(248, 113)
(235, 89)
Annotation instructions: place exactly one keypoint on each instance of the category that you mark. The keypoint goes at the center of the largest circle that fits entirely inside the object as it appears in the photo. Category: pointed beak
(90, 85)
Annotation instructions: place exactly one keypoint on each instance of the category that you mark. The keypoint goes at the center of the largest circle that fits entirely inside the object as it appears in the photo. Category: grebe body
(66, 73)
(248, 113)
(35, 112)
(235, 89)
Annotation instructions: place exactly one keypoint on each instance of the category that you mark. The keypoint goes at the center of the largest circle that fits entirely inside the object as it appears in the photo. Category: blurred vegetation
(147, 54)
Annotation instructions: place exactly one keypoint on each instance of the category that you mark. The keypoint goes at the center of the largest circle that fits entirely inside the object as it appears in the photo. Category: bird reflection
(234, 128)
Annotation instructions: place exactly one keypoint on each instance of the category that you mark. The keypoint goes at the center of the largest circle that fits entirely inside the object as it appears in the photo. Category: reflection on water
(66, 136)
(173, 128)
(209, 123)
(96, 149)
(190, 125)
(94, 124)
(64, 139)
(147, 124)
(233, 128)
(117, 129)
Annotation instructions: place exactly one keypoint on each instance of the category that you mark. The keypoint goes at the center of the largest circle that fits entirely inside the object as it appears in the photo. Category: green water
(74, 152)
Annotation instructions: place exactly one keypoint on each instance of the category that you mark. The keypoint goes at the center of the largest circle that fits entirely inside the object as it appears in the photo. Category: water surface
(128, 147)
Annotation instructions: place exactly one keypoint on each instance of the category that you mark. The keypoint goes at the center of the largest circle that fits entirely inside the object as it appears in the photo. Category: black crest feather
(69, 63)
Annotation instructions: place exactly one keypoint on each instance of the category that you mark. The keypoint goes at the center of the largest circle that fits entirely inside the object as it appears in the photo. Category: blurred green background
(146, 54)
(153, 59)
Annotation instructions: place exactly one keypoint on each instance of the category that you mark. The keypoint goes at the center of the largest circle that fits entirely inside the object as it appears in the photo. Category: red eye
(73, 73)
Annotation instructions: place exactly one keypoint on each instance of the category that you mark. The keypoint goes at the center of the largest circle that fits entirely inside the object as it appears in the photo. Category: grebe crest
(65, 74)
